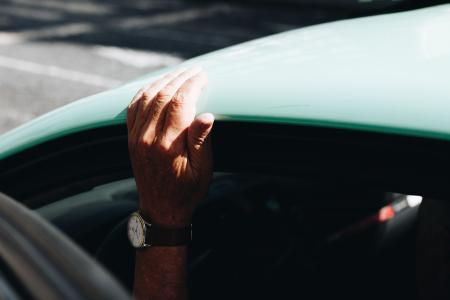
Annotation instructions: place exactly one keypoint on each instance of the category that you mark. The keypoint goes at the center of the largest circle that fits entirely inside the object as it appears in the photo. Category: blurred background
(53, 52)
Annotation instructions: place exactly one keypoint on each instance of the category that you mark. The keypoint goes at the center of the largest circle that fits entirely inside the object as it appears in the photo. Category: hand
(169, 148)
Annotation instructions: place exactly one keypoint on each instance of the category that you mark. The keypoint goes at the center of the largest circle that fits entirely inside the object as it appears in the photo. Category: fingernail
(206, 117)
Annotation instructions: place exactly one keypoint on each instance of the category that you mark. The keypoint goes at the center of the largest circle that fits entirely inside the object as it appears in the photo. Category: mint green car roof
(388, 74)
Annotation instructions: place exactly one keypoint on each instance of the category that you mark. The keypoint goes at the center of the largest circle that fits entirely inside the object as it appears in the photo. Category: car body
(354, 105)
(364, 63)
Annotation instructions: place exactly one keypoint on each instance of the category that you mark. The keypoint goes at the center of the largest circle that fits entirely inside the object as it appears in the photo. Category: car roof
(387, 73)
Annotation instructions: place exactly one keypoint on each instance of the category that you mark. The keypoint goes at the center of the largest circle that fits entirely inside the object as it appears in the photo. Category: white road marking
(171, 18)
(9, 38)
(68, 6)
(11, 115)
(57, 72)
(40, 15)
(156, 4)
(128, 23)
(138, 59)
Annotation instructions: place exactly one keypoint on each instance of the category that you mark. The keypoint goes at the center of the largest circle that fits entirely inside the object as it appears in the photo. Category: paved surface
(53, 52)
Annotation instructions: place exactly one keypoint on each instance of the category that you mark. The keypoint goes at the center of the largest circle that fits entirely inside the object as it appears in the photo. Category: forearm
(160, 273)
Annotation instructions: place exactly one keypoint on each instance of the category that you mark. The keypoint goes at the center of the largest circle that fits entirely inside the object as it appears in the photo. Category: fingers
(199, 131)
(133, 108)
(134, 104)
(131, 115)
(198, 140)
(156, 113)
(139, 106)
(165, 109)
(180, 111)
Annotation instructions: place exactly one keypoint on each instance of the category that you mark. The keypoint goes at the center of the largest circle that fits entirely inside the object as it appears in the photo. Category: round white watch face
(136, 230)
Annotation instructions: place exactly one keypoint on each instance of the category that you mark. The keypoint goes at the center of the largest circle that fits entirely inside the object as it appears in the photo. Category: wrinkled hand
(169, 148)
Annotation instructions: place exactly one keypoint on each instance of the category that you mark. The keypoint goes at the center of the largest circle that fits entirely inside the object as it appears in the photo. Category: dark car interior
(293, 212)
(258, 236)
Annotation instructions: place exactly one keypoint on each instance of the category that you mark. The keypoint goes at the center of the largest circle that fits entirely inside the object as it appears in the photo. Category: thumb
(198, 133)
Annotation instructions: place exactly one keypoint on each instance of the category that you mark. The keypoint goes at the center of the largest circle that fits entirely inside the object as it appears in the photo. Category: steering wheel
(46, 262)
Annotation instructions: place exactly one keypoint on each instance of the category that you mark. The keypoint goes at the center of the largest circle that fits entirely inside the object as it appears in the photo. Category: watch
(144, 234)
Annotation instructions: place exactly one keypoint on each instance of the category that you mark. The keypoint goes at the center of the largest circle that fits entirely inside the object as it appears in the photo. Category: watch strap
(161, 236)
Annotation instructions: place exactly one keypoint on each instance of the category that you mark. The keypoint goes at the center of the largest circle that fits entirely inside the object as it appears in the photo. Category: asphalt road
(53, 52)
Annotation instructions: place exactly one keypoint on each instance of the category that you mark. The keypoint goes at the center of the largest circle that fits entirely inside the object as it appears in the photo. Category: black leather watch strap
(158, 236)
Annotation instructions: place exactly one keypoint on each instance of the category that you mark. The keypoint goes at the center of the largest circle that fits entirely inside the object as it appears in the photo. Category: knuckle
(131, 105)
(145, 96)
(198, 142)
(164, 94)
(166, 149)
(178, 100)
(144, 143)
(129, 113)
(159, 103)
